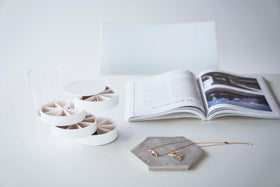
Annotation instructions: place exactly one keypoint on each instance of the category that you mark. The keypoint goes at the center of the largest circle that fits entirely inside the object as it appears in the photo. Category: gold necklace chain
(179, 155)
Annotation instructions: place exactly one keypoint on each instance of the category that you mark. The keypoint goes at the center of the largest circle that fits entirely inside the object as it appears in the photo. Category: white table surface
(32, 156)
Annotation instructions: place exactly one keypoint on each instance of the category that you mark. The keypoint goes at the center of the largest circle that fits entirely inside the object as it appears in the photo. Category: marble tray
(165, 163)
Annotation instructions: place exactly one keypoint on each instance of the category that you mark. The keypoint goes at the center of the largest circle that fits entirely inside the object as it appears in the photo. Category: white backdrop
(157, 48)
(65, 34)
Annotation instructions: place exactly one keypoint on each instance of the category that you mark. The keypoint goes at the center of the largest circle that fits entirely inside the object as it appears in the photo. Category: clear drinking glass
(46, 86)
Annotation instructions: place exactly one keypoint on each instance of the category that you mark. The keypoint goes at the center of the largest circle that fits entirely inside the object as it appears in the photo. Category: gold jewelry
(177, 155)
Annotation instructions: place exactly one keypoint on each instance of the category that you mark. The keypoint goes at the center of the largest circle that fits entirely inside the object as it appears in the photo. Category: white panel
(155, 48)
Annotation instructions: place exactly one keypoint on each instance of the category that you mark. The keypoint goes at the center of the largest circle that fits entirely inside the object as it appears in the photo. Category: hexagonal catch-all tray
(165, 163)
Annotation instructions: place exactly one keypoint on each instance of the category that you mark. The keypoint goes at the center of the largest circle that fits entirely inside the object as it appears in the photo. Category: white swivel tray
(59, 113)
(106, 133)
(79, 130)
(92, 96)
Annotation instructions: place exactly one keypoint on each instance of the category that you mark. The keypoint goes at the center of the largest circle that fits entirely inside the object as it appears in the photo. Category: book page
(166, 91)
(223, 90)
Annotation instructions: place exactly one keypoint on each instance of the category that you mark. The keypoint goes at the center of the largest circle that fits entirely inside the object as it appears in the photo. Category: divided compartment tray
(78, 130)
(104, 100)
(61, 113)
(106, 133)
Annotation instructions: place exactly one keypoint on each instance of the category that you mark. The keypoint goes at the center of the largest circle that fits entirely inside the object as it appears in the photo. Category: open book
(212, 94)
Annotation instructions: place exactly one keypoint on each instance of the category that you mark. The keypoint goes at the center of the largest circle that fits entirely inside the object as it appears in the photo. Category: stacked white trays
(76, 120)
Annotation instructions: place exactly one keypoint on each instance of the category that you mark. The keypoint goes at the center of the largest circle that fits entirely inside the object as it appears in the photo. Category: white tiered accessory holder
(95, 97)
